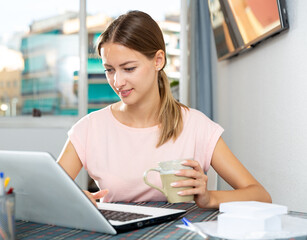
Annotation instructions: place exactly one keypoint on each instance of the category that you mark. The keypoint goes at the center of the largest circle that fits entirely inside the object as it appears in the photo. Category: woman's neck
(138, 116)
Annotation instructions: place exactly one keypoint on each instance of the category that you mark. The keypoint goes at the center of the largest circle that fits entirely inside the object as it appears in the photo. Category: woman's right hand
(97, 195)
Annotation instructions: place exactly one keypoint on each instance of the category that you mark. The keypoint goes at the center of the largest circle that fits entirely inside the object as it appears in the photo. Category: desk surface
(168, 230)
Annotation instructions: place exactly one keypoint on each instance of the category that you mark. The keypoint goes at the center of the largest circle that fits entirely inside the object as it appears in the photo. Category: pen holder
(7, 217)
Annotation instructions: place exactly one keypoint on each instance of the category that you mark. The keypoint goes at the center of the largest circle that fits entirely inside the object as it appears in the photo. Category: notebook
(46, 194)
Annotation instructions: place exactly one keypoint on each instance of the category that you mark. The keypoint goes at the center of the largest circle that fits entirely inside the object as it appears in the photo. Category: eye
(130, 69)
(109, 70)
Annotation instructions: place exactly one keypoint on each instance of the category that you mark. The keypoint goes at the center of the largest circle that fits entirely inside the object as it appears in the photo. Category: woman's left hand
(96, 196)
(198, 181)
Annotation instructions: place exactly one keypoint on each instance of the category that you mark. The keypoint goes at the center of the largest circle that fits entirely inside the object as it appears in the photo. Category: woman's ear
(159, 60)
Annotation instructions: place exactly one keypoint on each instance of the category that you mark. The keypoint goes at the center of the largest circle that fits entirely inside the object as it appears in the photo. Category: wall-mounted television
(240, 25)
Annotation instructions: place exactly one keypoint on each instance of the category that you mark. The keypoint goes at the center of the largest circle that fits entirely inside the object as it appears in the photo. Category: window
(39, 53)
(38, 58)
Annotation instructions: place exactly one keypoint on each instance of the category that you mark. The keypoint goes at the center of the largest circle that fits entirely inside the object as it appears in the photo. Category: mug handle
(151, 185)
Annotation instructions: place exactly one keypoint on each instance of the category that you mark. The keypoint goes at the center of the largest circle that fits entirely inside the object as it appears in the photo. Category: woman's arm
(69, 160)
(71, 163)
(246, 187)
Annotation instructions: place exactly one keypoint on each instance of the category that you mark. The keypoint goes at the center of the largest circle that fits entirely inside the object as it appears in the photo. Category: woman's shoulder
(98, 115)
(195, 119)
(103, 112)
(192, 114)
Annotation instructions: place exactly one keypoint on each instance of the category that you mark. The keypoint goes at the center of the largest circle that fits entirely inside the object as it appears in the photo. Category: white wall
(261, 101)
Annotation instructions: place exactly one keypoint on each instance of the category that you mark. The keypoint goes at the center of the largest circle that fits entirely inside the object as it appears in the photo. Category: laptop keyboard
(121, 216)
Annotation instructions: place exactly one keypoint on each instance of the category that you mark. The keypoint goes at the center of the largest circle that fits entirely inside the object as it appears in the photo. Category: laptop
(46, 194)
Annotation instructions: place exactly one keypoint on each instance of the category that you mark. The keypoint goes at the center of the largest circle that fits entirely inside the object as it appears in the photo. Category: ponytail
(170, 115)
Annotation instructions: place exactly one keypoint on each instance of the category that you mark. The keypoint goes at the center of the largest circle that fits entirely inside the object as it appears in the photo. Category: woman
(118, 143)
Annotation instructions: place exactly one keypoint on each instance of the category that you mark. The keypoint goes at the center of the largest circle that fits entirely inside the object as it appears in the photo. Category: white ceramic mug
(167, 170)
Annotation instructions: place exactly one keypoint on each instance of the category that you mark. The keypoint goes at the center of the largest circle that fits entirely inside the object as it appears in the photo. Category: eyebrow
(121, 65)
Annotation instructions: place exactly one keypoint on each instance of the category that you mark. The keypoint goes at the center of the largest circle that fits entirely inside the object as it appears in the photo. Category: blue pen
(194, 228)
(1, 184)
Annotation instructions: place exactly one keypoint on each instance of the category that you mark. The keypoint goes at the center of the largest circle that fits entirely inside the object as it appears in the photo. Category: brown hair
(138, 31)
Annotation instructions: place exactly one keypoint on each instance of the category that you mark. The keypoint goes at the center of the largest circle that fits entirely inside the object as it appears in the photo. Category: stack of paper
(245, 217)
(253, 221)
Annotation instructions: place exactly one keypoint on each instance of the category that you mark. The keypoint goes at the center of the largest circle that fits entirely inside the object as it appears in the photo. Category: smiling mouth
(125, 93)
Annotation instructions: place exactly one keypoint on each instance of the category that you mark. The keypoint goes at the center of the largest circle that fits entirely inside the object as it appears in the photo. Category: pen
(6, 182)
(194, 228)
(1, 183)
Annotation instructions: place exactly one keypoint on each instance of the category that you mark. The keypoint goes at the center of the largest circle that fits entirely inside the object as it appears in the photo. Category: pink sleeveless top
(116, 155)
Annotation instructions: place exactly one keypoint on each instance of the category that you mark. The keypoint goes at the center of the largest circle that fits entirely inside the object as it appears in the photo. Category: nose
(119, 80)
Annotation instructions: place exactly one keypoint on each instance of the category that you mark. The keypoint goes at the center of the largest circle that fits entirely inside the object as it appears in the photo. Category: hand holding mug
(197, 183)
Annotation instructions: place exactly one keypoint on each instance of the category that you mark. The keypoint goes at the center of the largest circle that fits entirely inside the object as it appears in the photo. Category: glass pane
(39, 56)
(100, 94)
